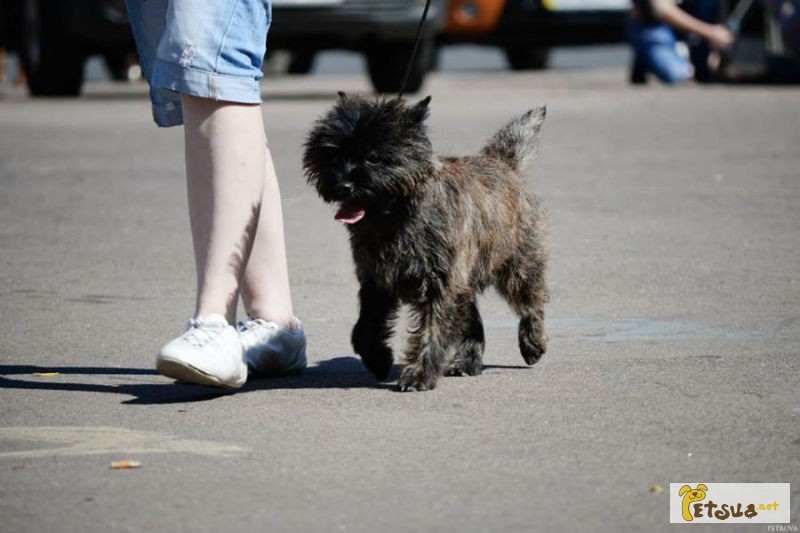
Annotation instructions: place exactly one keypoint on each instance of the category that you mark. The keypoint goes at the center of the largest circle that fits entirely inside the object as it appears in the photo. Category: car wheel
(53, 63)
(522, 57)
(301, 61)
(118, 63)
(387, 63)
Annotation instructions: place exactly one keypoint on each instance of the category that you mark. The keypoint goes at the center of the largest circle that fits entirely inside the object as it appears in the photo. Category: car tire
(524, 57)
(52, 61)
(301, 61)
(387, 63)
(118, 64)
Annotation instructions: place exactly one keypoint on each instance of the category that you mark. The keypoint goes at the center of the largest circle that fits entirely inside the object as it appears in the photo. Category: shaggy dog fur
(432, 232)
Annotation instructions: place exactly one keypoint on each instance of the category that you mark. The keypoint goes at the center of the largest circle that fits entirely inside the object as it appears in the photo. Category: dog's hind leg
(524, 289)
(532, 337)
(468, 357)
(373, 329)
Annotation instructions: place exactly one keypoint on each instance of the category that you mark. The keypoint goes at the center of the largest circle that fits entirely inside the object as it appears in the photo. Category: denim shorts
(208, 48)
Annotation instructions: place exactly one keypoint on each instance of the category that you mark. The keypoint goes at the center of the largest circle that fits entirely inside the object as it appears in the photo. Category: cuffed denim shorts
(208, 48)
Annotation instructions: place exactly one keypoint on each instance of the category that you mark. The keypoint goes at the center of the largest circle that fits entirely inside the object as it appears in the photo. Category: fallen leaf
(657, 489)
(126, 464)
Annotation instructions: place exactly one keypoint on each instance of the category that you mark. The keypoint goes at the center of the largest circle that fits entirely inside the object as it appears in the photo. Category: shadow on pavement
(337, 373)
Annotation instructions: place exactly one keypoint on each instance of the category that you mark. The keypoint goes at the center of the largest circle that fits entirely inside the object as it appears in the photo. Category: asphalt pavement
(674, 324)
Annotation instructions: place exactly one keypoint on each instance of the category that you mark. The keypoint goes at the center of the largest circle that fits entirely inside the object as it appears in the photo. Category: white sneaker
(208, 353)
(271, 349)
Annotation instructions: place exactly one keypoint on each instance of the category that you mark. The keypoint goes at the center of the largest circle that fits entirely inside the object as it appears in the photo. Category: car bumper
(352, 24)
(551, 28)
(545, 22)
(97, 22)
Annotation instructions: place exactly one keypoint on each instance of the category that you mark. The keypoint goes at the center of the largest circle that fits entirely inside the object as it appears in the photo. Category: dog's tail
(516, 142)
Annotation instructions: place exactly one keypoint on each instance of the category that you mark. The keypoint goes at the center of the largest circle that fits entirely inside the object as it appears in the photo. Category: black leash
(414, 51)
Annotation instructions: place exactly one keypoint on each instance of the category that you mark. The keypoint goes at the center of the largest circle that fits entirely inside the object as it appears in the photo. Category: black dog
(432, 232)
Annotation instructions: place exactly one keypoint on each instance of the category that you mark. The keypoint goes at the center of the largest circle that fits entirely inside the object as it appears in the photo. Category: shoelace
(200, 333)
(244, 325)
(255, 330)
(250, 323)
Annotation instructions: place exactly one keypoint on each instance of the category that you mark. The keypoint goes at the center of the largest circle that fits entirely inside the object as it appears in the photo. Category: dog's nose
(344, 188)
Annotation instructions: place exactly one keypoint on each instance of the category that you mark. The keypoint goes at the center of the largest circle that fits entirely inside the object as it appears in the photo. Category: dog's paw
(379, 363)
(413, 378)
(532, 347)
(463, 368)
(533, 353)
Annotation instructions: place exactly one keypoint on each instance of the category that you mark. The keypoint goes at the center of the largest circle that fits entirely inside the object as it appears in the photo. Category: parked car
(527, 29)
(383, 30)
(54, 37)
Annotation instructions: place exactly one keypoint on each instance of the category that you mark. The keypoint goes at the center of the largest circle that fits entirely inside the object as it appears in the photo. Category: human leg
(638, 71)
(225, 169)
(654, 45)
(273, 339)
(233, 192)
(224, 146)
(265, 285)
(204, 59)
(234, 204)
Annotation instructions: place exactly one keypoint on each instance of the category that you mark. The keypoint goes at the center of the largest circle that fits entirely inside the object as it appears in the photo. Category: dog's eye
(373, 158)
(328, 150)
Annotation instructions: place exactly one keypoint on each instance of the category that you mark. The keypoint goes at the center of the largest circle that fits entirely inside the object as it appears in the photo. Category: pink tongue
(350, 213)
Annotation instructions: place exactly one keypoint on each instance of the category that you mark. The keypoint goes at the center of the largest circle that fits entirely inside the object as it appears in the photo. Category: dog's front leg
(373, 329)
(467, 360)
(426, 350)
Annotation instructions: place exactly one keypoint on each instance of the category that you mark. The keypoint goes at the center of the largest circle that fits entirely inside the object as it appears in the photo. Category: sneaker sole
(298, 367)
(184, 373)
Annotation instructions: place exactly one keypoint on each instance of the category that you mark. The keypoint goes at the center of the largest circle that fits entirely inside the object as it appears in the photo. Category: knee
(671, 69)
(675, 74)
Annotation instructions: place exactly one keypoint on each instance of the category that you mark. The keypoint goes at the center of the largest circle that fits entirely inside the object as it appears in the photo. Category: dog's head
(367, 154)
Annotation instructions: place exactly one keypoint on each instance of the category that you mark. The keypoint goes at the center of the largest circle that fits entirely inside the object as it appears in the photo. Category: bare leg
(225, 171)
(265, 287)
(235, 212)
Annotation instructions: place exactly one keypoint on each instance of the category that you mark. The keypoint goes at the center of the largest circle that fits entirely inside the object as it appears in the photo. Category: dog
(691, 496)
(432, 232)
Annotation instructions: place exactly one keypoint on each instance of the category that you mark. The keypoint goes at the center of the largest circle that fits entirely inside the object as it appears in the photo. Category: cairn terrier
(432, 232)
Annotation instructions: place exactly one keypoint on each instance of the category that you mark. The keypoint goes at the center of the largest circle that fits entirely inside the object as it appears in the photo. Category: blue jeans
(208, 48)
(654, 45)
(654, 51)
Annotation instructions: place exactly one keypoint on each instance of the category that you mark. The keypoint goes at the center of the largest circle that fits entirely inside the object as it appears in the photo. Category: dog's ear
(420, 111)
(702, 487)
(341, 94)
(684, 490)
